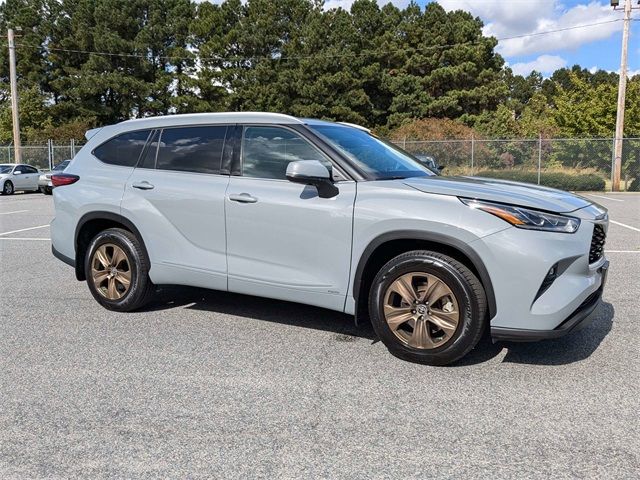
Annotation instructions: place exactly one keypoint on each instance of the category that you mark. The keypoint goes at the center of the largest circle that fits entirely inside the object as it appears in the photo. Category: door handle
(142, 185)
(242, 198)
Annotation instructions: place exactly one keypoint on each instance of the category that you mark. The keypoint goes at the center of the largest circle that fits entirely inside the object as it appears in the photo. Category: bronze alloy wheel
(421, 310)
(111, 271)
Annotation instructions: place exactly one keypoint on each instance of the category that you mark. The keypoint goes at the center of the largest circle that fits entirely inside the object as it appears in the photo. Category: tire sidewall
(467, 305)
(4, 187)
(135, 264)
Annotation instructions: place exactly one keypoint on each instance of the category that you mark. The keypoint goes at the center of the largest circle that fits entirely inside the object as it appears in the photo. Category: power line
(300, 57)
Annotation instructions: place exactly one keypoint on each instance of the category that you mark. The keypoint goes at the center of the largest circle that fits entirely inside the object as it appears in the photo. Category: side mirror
(312, 172)
(17, 172)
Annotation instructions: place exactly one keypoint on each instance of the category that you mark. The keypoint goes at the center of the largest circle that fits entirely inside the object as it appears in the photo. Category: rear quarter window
(123, 150)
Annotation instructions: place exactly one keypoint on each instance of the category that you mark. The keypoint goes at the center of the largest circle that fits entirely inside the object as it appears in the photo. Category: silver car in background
(18, 177)
(329, 215)
(44, 182)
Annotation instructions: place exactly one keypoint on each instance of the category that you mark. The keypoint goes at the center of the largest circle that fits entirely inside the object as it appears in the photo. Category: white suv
(326, 214)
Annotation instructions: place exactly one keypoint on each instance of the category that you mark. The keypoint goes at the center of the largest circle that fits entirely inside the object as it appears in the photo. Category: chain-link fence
(532, 160)
(538, 157)
(43, 156)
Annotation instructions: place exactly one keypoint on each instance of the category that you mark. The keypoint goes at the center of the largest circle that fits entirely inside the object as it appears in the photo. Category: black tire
(141, 288)
(7, 188)
(470, 297)
(48, 190)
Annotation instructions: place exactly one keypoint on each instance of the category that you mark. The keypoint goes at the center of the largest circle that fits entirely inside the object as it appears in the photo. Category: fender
(452, 242)
(102, 215)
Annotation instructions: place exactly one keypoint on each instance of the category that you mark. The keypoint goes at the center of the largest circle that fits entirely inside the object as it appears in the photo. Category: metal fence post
(73, 148)
(473, 151)
(50, 154)
(613, 160)
(539, 155)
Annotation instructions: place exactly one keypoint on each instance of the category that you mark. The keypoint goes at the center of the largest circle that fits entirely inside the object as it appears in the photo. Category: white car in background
(18, 177)
(44, 182)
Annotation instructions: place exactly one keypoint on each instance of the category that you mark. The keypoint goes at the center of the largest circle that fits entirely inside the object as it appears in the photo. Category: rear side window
(191, 149)
(123, 150)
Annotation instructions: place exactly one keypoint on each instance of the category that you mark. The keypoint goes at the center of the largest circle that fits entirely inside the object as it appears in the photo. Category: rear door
(283, 240)
(175, 197)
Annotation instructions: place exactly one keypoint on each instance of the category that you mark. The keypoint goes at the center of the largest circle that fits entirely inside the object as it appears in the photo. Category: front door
(283, 240)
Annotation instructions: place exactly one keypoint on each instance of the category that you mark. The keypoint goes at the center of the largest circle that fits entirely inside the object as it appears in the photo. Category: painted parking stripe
(606, 198)
(17, 211)
(625, 225)
(23, 230)
(26, 239)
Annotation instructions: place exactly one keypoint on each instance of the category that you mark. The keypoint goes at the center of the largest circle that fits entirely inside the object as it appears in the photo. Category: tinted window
(191, 149)
(266, 152)
(62, 166)
(374, 156)
(124, 149)
(6, 168)
(148, 159)
(29, 169)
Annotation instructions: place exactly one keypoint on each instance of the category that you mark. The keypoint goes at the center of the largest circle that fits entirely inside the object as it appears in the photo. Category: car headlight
(527, 218)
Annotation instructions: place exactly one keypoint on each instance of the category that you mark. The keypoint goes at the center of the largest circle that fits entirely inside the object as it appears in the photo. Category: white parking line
(23, 230)
(28, 239)
(17, 211)
(606, 198)
(625, 225)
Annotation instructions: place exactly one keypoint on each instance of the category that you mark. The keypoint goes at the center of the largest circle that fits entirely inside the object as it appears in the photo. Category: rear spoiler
(90, 133)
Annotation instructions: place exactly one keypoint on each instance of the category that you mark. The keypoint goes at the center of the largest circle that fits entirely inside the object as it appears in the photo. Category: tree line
(85, 63)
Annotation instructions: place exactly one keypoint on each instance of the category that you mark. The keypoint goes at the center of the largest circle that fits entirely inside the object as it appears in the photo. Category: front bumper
(578, 319)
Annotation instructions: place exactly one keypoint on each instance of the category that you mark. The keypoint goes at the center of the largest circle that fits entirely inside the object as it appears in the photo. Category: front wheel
(427, 307)
(7, 188)
(117, 270)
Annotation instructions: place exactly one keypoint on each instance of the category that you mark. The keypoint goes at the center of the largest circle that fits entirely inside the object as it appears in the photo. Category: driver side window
(266, 152)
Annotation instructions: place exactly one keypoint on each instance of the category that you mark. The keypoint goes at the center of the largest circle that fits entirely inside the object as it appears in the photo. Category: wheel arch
(388, 245)
(89, 225)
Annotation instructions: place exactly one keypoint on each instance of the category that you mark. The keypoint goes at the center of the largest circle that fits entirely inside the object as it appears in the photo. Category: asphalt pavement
(212, 385)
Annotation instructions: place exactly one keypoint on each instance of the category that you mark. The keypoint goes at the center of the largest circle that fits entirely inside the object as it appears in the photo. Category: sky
(593, 47)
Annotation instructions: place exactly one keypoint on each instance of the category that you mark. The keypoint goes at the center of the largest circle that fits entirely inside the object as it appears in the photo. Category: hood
(502, 191)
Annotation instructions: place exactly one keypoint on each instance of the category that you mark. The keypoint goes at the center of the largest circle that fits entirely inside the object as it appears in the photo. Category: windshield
(62, 166)
(6, 168)
(374, 156)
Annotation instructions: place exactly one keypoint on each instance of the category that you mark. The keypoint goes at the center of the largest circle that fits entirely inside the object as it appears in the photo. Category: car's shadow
(276, 311)
(575, 347)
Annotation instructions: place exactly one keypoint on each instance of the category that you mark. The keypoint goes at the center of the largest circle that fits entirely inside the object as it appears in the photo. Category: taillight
(60, 179)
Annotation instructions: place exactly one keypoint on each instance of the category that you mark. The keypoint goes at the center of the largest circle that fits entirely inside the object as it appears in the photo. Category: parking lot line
(625, 225)
(17, 211)
(606, 198)
(23, 230)
(27, 239)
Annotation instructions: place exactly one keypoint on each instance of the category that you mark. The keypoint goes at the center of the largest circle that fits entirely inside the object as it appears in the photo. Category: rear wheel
(7, 188)
(117, 270)
(427, 307)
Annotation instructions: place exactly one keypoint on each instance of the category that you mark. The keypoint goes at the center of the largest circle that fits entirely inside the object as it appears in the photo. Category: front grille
(597, 243)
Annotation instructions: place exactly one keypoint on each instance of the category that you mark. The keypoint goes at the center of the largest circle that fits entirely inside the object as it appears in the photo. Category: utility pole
(14, 97)
(622, 90)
